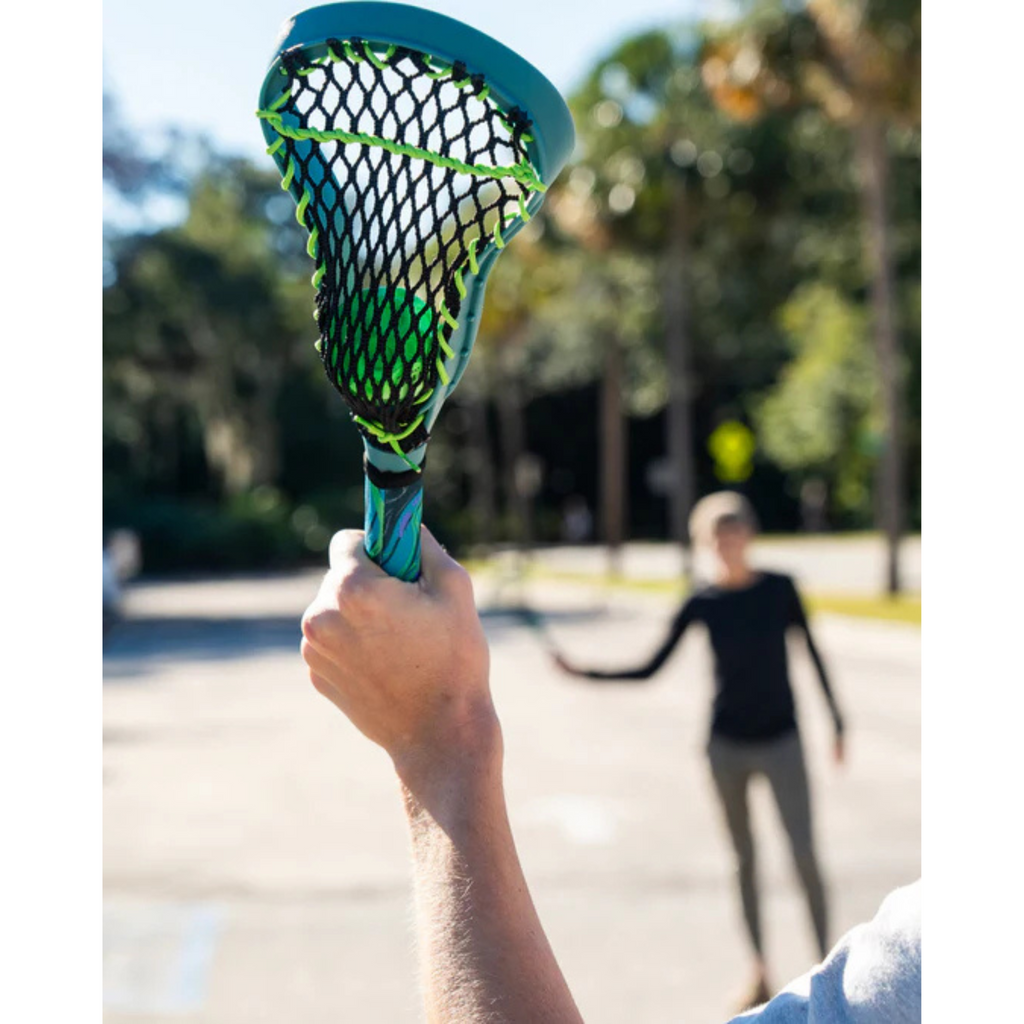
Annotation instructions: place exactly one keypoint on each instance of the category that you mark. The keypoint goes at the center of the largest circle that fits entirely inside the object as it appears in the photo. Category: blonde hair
(721, 507)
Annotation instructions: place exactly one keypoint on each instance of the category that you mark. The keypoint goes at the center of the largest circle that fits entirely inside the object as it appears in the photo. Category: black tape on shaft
(384, 480)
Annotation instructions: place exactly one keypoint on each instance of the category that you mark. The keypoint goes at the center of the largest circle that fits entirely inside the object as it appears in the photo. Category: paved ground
(851, 564)
(255, 855)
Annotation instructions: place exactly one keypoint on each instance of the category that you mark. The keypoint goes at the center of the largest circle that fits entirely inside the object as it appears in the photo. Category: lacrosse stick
(415, 147)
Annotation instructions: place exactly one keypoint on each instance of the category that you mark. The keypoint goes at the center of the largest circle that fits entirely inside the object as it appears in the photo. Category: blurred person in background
(577, 520)
(122, 559)
(748, 613)
(111, 592)
(409, 665)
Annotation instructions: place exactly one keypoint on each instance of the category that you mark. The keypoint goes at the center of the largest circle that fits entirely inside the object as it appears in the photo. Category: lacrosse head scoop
(415, 147)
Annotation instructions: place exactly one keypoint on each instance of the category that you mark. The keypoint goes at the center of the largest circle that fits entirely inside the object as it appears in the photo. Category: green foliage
(210, 377)
(819, 418)
(225, 445)
(245, 533)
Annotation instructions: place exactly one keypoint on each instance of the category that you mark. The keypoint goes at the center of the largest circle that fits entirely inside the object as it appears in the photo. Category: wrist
(462, 743)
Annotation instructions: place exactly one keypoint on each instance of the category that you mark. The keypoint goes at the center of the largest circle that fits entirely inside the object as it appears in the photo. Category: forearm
(484, 956)
(640, 673)
(826, 687)
(635, 675)
(653, 665)
(408, 665)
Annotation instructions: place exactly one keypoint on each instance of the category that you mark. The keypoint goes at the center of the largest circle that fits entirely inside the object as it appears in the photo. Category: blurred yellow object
(732, 445)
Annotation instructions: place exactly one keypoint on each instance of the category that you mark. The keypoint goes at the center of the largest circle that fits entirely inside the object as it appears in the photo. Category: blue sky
(198, 64)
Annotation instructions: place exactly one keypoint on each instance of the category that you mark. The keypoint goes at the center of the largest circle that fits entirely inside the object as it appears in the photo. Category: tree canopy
(224, 445)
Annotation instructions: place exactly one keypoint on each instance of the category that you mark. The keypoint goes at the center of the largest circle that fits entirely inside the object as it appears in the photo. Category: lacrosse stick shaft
(392, 527)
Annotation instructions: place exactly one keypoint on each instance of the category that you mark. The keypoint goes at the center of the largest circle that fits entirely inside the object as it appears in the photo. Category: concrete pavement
(255, 853)
(826, 563)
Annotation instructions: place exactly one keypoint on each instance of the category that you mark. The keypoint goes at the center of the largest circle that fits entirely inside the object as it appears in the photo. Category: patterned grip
(393, 517)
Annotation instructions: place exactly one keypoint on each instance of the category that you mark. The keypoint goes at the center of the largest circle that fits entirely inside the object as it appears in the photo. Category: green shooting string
(404, 170)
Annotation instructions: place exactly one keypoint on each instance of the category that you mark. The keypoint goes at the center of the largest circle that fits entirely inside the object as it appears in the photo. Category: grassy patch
(905, 608)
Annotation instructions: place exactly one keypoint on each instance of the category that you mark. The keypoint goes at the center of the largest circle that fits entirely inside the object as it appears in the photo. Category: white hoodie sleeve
(872, 976)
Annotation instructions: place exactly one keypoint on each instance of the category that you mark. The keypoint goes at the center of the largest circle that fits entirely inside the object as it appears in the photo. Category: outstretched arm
(798, 618)
(683, 619)
(408, 664)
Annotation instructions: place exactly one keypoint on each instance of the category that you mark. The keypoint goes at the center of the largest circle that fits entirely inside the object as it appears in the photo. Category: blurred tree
(207, 330)
(689, 269)
(196, 320)
(524, 283)
(127, 168)
(858, 61)
(819, 419)
(663, 175)
(628, 193)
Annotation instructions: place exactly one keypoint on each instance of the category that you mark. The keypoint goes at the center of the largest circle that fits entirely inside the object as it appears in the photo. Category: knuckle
(316, 626)
(458, 580)
(344, 547)
(350, 595)
(310, 629)
(306, 649)
(357, 596)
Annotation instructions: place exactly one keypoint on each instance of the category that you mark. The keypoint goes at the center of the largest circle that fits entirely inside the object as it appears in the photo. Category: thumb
(347, 553)
(437, 567)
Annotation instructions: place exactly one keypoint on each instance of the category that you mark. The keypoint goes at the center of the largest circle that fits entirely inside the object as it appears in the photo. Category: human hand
(560, 662)
(839, 749)
(406, 662)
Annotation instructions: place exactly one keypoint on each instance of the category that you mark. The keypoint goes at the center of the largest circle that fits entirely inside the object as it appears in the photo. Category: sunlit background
(698, 162)
(723, 290)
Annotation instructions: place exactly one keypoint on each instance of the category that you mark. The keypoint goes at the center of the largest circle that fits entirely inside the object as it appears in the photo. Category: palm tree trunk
(678, 420)
(513, 445)
(874, 160)
(613, 454)
(482, 482)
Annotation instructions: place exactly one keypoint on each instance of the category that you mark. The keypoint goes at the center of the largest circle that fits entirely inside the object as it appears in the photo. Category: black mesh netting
(395, 231)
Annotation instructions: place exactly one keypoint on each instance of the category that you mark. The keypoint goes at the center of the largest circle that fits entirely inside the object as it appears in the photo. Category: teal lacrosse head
(415, 148)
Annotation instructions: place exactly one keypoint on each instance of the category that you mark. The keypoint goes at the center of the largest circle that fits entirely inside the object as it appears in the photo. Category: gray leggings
(781, 761)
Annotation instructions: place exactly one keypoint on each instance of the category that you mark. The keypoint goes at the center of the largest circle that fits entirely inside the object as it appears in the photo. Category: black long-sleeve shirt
(747, 626)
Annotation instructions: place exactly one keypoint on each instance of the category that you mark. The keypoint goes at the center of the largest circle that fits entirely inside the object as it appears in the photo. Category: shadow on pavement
(500, 618)
(134, 643)
(133, 646)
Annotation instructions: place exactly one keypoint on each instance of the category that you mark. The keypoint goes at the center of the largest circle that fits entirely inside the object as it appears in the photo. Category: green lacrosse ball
(386, 342)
